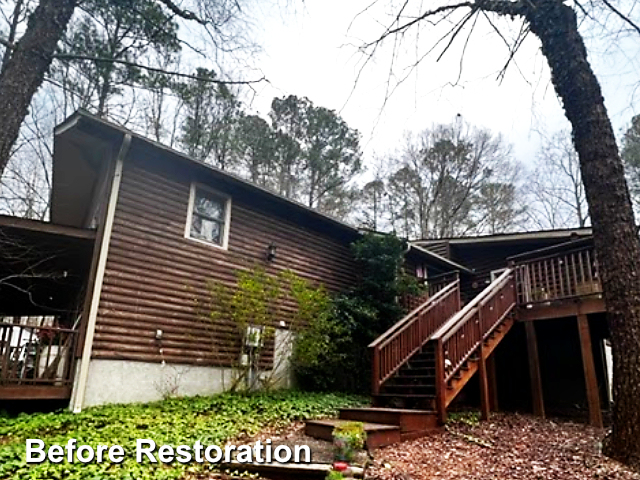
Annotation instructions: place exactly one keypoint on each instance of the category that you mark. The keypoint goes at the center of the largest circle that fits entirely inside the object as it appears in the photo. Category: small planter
(348, 439)
(343, 451)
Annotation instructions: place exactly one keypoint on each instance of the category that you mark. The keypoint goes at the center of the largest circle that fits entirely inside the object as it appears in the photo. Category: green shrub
(334, 475)
(254, 306)
(332, 353)
(212, 420)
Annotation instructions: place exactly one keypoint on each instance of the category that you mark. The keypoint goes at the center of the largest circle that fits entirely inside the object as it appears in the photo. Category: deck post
(590, 379)
(375, 371)
(484, 386)
(441, 384)
(537, 398)
(493, 383)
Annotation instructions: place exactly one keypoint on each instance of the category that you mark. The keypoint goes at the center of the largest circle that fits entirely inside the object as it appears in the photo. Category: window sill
(209, 244)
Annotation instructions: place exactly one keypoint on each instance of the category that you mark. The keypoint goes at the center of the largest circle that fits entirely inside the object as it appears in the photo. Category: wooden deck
(35, 392)
(561, 282)
(36, 358)
(557, 282)
(562, 308)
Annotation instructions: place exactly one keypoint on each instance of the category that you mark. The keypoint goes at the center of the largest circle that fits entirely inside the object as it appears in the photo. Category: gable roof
(85, 134)
(84, 124)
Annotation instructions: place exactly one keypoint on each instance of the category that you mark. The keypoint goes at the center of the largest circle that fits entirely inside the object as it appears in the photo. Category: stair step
(417, 401)
(409, 421)
(411, 363)
(415, 388)
(378, 434)
(425, 353)
(410, 376)
(404, 395)
(409, 370)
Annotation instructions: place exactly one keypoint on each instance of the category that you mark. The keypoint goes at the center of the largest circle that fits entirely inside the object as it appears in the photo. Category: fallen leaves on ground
(507, 447)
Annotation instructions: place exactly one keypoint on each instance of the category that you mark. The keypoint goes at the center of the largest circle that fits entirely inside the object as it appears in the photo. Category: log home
(102, 302)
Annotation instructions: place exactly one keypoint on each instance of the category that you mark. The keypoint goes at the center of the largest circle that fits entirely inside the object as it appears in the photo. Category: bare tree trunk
(13, 30)
(615, 237)
(24, 72)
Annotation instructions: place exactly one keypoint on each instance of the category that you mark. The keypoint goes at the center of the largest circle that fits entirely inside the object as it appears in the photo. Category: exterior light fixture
(271, 252)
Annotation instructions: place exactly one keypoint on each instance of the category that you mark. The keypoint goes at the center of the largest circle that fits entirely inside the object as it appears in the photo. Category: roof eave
(82, 117)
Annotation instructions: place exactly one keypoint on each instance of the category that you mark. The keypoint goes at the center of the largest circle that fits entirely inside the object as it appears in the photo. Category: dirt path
(507, 447)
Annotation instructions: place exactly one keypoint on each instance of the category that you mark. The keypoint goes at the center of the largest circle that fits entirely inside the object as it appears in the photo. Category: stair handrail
(455, 323)
(412, 314)
(411, 333)
(471, 326)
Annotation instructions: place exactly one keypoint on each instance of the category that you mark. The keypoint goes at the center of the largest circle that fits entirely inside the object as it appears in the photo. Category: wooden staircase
(421, 364)
(413, 385)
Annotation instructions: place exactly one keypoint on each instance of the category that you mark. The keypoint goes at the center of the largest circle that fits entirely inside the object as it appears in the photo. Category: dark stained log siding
(156, 278)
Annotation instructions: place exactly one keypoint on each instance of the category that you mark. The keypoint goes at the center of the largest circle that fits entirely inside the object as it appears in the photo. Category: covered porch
(44, 271)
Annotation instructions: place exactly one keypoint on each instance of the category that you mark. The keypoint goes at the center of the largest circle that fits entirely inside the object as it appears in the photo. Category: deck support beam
(537, 398)
(590, 378)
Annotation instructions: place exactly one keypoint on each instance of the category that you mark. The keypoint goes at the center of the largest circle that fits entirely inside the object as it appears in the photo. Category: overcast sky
(313, 52)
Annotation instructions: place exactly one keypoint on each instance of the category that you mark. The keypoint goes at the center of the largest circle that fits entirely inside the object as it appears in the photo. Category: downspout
(83, 375)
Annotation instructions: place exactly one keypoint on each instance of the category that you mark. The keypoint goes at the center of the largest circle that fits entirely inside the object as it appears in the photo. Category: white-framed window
(208, 216)
(421, 271)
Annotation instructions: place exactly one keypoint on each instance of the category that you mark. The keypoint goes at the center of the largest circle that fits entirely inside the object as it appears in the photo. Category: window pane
(205, 229)
(209, 205)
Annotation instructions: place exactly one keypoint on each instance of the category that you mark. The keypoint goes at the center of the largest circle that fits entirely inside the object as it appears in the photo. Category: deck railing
(557, 276)
(462, 336)
(36, 351)
(394, 347)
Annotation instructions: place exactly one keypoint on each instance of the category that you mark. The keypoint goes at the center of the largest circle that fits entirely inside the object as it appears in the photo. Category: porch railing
(394, 347)
(36, 351)
(557, 275)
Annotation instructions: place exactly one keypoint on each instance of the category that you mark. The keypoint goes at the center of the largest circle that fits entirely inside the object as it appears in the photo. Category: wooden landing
(378, 434)
(409, 421)
(384, 426)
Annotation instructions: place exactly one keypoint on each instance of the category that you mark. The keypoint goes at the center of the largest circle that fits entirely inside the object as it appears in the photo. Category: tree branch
(66, 56)
(182, 13)
(502, 7)
(626, 19)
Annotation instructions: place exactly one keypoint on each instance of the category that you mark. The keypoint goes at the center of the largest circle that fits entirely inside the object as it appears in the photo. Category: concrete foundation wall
(125, 381)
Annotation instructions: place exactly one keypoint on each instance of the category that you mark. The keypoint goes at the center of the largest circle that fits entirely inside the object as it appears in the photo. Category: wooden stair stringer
(471, 367)
(457, 384)
(502, 330)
